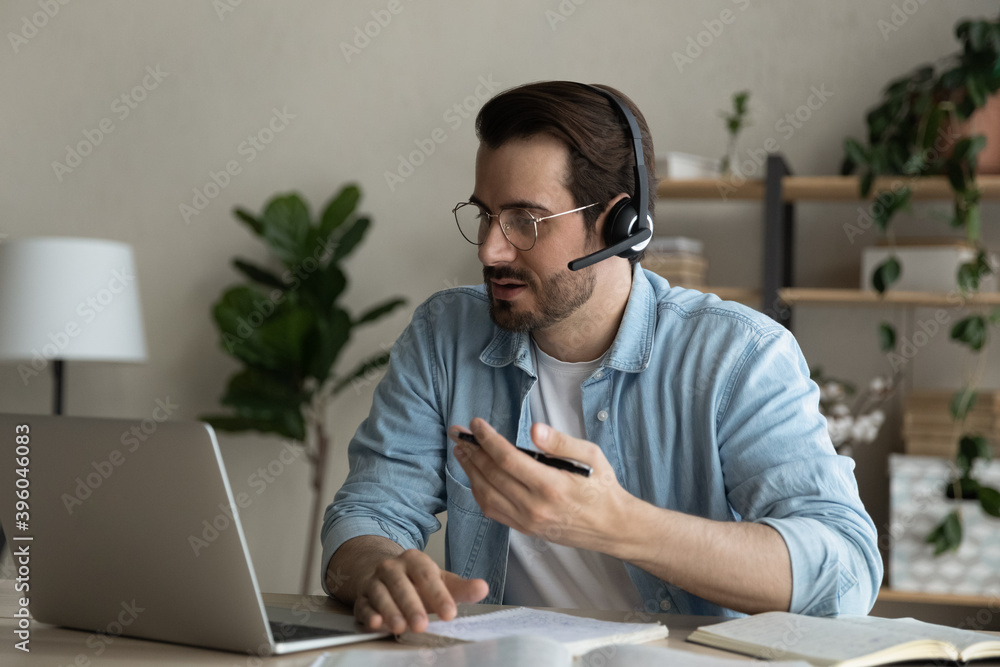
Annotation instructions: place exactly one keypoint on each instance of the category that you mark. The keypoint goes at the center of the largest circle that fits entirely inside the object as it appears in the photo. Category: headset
(626, 236)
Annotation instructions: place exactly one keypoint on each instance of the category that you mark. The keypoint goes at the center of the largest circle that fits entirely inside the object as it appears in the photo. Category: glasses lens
(519, 227)
(472, 222)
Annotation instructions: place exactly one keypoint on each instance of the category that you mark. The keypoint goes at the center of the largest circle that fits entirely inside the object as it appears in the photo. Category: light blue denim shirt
(701, 406)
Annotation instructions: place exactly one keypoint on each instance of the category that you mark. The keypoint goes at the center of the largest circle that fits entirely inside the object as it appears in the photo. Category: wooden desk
(58, 647)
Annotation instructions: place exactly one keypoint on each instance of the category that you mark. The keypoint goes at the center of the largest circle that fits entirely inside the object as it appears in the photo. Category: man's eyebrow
(517, 203)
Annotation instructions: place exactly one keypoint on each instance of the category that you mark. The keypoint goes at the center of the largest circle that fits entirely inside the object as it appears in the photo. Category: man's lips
(506, 289)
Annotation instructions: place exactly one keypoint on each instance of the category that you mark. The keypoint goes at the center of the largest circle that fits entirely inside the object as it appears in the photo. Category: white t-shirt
(544, 574)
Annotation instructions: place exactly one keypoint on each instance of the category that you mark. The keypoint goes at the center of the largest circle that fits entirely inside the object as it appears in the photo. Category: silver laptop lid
(132, 532)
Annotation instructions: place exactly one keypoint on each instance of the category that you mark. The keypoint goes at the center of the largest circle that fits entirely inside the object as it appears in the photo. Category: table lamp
(67, 299)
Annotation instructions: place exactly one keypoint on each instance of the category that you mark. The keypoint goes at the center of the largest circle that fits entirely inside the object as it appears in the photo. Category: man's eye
(522, 219)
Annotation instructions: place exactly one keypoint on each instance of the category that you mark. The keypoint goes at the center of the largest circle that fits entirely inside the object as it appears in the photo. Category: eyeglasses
(519, 226)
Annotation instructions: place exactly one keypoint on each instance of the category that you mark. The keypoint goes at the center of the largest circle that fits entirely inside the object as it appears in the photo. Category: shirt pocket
(460, 496)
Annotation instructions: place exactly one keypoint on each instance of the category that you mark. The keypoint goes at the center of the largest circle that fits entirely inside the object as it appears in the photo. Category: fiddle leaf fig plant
(289, 327)
(915, 131)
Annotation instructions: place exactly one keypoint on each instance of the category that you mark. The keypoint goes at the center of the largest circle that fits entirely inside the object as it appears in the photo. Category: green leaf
(973, 223)
(971, 331)
(255, 225)
(256, 392)
(258, 274)
(962, 402)
(379, 311)
(324, 286)
(948, 534)
(286, 228)
(886, 337)
(855, 151)
(989, 498)
(974, 447)
(364, 370)
(351, 238)
(867, 180)
(338, 210)
(977, 143)
(995, 316)
(886, 274)
(260, 332)
(978, 92)
(325, 342)
(956, 176)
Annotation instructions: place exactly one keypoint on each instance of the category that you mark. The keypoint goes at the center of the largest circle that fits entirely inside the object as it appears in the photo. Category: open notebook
(577, 633)
(846, 641)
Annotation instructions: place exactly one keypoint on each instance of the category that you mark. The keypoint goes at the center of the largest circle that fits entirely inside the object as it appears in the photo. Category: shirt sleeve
(780, 469)
(395, 485)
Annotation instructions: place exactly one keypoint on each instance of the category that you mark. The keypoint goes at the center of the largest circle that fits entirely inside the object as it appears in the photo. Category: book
(529, 651)
(846, 641)
(578, 634)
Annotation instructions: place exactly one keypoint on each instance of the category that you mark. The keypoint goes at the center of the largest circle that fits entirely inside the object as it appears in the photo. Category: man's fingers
(558, 443)
(379, 610)
(427, 577)
(465, 590)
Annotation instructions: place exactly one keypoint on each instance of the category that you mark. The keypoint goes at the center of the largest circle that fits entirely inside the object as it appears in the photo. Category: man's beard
(556, 298)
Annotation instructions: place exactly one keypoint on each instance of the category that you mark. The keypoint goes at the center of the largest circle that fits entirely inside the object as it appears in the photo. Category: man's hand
(538, 500)
(402, 590)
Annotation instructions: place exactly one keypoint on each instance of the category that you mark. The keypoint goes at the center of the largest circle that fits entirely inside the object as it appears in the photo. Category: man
(715, 489)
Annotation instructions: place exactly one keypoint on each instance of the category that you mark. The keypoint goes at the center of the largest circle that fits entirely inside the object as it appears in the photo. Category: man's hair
(601, 158)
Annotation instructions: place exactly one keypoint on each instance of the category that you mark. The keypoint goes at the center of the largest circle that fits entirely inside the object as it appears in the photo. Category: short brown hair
(597, 136)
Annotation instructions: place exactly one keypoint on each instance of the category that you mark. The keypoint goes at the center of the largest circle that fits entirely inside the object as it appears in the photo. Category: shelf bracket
(779, 225)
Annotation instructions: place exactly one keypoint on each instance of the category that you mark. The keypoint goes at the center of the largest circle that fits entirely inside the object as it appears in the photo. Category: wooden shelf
(744, 295)
(711, 188)
(817, 188)
(845, 188)
(890, 595)
(794, 296)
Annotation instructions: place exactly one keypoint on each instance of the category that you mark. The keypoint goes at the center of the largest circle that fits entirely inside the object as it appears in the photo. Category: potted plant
(915, 131)
(736, 121)
(288, 330)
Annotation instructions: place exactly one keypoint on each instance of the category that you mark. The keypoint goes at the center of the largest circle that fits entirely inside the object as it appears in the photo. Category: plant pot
(917, 504)
(986, 121)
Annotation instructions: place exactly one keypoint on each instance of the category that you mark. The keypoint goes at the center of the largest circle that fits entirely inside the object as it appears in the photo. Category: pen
(559, 462)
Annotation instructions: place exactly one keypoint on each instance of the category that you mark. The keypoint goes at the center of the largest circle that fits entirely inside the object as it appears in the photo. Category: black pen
(559, 462)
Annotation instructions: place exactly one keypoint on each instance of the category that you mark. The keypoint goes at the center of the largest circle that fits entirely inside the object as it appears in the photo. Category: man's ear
(602, 221)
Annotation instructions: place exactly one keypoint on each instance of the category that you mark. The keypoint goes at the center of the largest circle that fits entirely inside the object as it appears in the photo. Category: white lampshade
(69, 298)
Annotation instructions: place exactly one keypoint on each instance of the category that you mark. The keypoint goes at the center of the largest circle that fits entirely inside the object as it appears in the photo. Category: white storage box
(925, 267)
(917, 504)
(685, 166)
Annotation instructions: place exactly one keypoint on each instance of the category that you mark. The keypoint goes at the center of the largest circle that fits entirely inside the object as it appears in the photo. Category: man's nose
(496, 249)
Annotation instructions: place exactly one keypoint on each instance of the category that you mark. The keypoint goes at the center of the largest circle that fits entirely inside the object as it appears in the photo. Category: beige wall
(353, 116)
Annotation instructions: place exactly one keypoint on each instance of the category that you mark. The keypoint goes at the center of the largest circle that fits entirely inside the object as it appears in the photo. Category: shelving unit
(780, 191)
(794, 296)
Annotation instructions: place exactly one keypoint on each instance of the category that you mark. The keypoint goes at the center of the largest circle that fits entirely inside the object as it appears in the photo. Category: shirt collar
(630, 351)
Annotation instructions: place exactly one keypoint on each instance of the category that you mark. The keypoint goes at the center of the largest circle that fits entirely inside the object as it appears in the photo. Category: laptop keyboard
(288, 632)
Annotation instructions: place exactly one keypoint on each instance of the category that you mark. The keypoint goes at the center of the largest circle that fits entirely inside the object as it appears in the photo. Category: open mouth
(506, 289)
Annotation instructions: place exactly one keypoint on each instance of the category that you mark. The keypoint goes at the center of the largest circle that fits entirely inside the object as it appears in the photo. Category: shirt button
(602, 415)
(665, 605)
(598, 375)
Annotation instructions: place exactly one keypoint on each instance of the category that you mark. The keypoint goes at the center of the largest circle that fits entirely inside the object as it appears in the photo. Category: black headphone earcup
(618, 225)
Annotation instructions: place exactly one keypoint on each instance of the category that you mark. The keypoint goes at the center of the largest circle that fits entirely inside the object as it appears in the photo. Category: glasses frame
(534, 219)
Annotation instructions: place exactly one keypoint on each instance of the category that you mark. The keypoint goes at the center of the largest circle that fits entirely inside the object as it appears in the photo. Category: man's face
(532, 290)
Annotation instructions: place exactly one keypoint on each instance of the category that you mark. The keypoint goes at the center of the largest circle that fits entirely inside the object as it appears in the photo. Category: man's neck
(590, 331)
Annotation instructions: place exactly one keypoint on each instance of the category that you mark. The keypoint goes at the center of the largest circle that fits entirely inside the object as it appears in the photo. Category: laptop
(131, 529)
